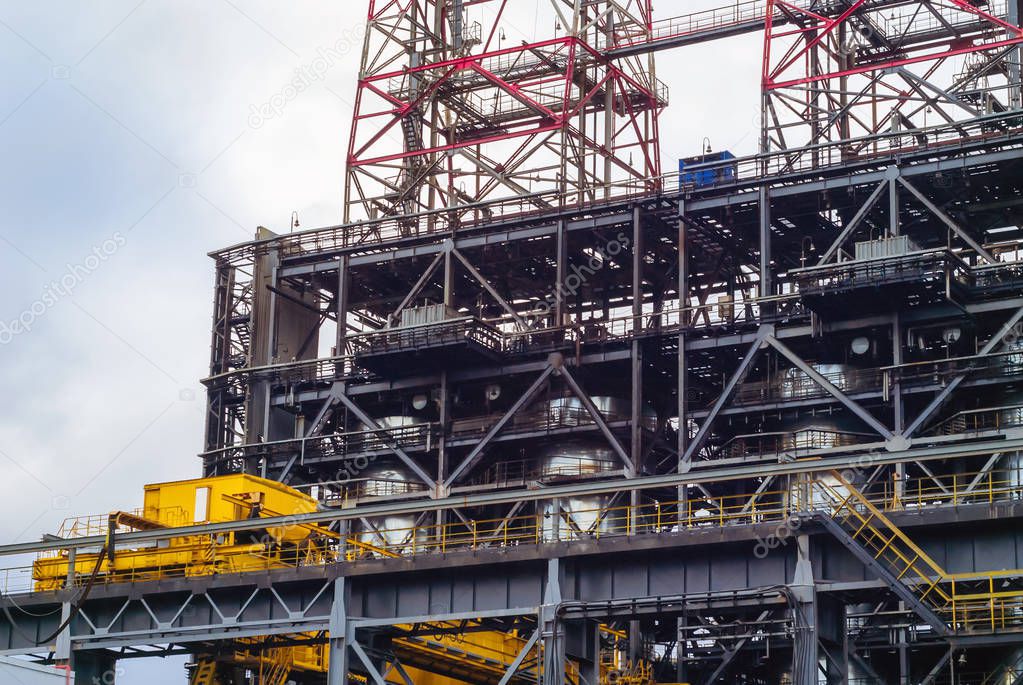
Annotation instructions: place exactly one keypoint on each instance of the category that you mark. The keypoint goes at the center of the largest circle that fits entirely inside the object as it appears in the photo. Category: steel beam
(852, 459)
(477, 452)
(738, 376)
(830, 388)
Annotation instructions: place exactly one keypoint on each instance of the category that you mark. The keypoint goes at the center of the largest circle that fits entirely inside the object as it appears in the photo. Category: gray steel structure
(785, 316)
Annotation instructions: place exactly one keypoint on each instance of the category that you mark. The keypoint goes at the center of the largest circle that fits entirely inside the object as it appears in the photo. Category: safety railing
(794, 443)
(976, 605)
(967, 601)
(980, 134)
(524, 470)
(1007, 364)
(450, 332)
(799, 386)
(936, 268)
(979, 420)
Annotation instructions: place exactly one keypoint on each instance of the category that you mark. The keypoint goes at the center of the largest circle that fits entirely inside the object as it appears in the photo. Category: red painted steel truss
(444, 119)
(841, 71)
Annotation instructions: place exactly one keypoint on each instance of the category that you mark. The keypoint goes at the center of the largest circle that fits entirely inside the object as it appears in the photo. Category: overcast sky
(127, 152)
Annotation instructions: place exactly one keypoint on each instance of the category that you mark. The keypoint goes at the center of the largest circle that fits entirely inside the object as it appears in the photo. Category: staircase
(948, 602)
(275, 668)
(204, 673)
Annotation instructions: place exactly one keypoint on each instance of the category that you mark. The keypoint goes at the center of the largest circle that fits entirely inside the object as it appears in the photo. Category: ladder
(204, 673)
(957, 602)
(869, 527)
(275, 668)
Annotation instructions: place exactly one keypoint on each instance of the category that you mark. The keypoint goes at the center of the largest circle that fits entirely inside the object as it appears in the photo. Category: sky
(128, 151)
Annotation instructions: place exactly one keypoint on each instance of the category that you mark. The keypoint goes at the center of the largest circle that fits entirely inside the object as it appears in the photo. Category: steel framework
(447, 117)
(838, 71)
(791, 384)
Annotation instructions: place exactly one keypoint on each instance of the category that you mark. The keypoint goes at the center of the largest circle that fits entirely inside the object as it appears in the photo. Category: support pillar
(337, 673)
(94, 668)
(804, 619)
(559, 281)
(344, 286)
(553, 633)
(683, 381)
(636, 427)
(766, 277)
(62, 650)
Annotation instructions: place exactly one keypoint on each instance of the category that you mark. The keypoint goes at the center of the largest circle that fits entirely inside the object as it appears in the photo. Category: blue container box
(706, 170)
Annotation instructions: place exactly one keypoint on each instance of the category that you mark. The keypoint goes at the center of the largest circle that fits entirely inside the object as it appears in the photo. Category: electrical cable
(75, 608)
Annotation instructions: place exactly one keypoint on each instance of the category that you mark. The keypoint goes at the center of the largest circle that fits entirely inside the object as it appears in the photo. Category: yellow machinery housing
(187, 502)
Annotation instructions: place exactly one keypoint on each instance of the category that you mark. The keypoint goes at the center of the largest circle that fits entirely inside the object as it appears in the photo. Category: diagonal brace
(726, 394)
(948, 221)
(830, 388)
(999, 340)
(489, 288)
(418, 287)
(853, 223)
(598, 418)
(371, 424)
(513, 668)
(477, 452)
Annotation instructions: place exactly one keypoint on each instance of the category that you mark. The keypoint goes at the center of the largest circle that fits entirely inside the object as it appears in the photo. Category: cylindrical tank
(569, 412)
(395, 533)
(582, 517)
(794, 384)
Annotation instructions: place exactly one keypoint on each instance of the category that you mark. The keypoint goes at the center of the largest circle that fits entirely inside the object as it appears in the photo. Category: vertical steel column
(681, 669)
(1015, 59)
(636, 426)
(553, 635)
(559, 284)
(337, 673)
(271, 354)
(681, 666)
(804, 619)
(682, 370)
(344, 286)
(62, 650)
(904, 672)
(898, 404)
(766, 278)
(449, 279)
(892, 174)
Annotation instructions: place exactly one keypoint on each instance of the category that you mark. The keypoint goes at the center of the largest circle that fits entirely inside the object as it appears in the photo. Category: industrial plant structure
(541, 410)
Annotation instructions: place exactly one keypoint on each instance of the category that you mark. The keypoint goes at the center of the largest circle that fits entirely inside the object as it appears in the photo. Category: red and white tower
(456, 107)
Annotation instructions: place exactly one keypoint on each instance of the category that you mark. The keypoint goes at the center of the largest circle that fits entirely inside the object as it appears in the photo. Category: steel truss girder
(852, 459)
